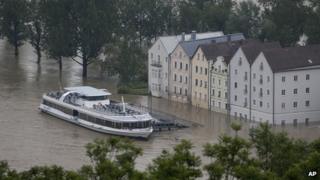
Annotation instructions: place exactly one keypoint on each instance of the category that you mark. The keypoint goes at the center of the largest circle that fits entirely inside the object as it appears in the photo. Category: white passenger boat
(91, 108)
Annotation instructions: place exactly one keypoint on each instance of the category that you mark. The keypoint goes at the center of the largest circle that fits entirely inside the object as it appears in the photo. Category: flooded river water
(28, 137)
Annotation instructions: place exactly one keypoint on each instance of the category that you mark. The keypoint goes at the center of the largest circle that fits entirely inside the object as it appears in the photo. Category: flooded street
(28, 137)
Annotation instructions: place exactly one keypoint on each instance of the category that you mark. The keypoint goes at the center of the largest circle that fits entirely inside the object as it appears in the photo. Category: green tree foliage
(13, 18)
(180, 164)
(301, 170)
(49, 173)
(217, 14)
(189, 17)
(245, 18)
(113, 158)
(94, 22)
(129, 63)
(6, 173)
(35, 28)
(312, 27)
(59, 31)
(230, 153)
(283, 20)
(271, 146)
(204, 15)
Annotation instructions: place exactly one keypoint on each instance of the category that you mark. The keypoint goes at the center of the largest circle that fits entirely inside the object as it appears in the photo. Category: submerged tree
(94, 22)
(59, 31)
(35, 28)
(13, 18)
(126, 59)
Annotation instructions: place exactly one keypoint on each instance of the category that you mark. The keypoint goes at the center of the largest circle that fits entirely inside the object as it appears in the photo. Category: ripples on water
(28, 137)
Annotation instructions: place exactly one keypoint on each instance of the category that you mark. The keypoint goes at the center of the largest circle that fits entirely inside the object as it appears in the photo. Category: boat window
(83, 116)
(58, 107)
(94, 98)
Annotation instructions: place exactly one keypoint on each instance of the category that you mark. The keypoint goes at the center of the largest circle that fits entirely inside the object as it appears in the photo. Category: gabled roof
(252, 48)
(282, 59)
(190, 47)
(170, 42)
(88, 91)
(225, 49)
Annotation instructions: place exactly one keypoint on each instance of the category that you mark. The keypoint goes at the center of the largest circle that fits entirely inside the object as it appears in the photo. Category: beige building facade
(200, 77)
(179, 82)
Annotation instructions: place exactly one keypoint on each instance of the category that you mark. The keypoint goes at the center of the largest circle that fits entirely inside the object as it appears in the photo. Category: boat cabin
(86, 96)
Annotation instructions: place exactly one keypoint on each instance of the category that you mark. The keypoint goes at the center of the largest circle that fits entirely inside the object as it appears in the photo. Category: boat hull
(136, 133)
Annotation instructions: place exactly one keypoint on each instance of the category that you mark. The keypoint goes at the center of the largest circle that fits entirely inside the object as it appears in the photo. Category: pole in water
(123, 105)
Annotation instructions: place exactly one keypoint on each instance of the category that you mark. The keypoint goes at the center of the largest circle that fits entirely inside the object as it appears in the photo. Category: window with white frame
(295, 91)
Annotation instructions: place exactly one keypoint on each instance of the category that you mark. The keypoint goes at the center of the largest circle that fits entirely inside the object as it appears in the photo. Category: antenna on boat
(123, 105)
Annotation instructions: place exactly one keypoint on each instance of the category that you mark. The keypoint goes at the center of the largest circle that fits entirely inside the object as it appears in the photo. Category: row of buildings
(249, 79)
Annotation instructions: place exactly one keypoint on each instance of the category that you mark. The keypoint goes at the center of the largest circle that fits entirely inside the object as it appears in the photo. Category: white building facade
(284, 86)
(241, 80)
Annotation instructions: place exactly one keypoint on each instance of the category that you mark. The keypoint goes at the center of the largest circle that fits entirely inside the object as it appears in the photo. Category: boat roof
(89, 91)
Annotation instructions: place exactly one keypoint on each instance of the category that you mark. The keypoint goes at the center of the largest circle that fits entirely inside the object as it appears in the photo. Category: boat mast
(123, 105)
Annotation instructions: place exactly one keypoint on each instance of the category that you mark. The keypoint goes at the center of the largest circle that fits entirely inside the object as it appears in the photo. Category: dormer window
(240, 61)
(261, 66)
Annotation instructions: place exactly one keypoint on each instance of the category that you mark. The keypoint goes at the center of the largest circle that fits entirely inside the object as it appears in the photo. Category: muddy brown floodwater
(28, 137)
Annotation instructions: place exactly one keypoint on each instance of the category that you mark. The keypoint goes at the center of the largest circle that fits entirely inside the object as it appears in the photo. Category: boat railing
(55, 94)
(116, 109)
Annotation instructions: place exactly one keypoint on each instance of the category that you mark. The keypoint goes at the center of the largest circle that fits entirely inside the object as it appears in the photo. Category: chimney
(183, 36)
(193, 35)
